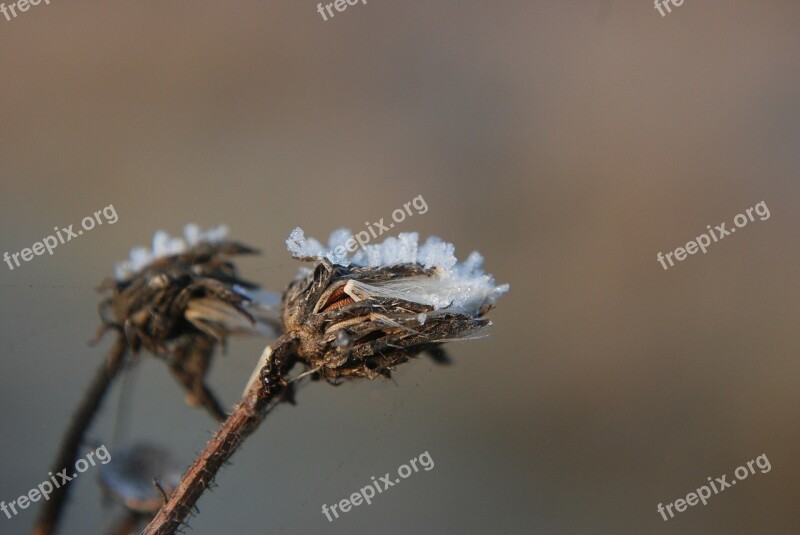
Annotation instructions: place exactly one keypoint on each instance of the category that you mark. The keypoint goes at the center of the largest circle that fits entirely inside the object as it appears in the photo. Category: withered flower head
(129, 479)
(182, 298)
(361, 315)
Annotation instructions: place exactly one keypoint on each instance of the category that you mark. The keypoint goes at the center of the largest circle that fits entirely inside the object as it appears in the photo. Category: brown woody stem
(71, 443)
(246, 417)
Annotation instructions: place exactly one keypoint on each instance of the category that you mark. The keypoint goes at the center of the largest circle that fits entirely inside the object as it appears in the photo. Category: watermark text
(703, 493)
(365, 494)
(46, 488)
(703, 241)
(49, 243)
(10, 11)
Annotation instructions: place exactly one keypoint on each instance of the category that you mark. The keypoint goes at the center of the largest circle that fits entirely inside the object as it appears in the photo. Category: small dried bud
(364, 315)
(129, 479)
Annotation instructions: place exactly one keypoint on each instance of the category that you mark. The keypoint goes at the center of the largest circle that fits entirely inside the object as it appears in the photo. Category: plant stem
(246, 417)
(73, 438)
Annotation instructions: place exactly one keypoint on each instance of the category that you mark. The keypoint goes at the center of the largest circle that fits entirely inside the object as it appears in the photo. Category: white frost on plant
(301, 247)
(164, 245)
(462, 288)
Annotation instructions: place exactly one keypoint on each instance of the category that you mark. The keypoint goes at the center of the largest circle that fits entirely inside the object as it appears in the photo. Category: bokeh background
(568, 141)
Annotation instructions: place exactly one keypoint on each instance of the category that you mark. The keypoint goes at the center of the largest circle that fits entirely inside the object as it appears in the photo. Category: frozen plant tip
(164, 245)
(183, 298)
(446, 284)
(361, 315)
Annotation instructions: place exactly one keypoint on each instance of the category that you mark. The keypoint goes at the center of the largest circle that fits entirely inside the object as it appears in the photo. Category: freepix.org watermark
(10, 11)
(703, 241)
(49, 243)
(338, 5)
(46, 487)
(363, 237)
(703, 493)
(365, 494)
(661, 4)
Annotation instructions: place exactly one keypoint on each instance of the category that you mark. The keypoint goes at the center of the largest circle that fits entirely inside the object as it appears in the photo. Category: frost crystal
(300, 246)
(164, 245)
(463, 288)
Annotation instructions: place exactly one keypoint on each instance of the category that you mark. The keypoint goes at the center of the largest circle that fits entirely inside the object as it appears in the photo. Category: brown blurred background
(569, 142)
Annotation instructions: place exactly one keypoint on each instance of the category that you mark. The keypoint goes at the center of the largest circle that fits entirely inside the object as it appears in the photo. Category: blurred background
(569, 142)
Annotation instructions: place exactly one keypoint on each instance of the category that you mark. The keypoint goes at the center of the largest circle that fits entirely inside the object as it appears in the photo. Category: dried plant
(178, 301)
(180, 307)
(348, 318)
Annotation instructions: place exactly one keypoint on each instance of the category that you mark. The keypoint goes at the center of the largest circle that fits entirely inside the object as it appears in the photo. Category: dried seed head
(129, 479)
(360, 316)
(194, 291)
(185, 300)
